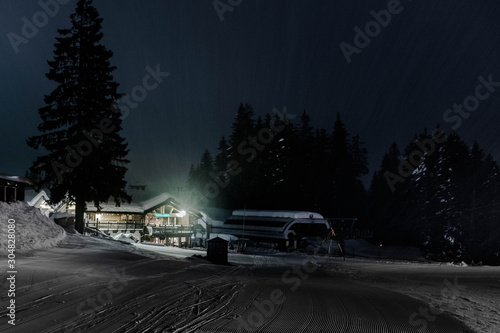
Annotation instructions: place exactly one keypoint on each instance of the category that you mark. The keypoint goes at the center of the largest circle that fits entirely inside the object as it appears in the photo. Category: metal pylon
(330, 234)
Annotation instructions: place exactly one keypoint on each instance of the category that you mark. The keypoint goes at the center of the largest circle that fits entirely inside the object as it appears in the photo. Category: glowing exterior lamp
(182, 213)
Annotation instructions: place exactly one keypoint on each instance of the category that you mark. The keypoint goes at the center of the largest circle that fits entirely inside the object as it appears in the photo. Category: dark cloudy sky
(270, 54)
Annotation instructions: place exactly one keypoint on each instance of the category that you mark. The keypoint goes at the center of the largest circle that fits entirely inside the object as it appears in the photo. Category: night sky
(270, 54)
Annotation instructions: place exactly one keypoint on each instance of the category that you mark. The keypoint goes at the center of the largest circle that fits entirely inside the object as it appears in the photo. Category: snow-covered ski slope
(89, 284)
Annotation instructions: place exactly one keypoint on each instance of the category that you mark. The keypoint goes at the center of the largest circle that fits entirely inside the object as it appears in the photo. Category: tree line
(438, 194)
(448, 205)
(274, 163)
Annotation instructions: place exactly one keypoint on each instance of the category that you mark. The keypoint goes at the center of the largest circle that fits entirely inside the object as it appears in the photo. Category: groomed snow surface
(72, 283)
(469, 294)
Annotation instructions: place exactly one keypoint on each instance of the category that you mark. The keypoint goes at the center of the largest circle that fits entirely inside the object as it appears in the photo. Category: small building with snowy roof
(217, 250)
(12, 188)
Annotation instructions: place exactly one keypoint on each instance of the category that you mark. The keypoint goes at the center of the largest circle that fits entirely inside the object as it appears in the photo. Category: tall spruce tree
(382, 206)
(265, 168)
(221, 159)
(280, 164)
(243, 152)
(205, 170)
(487, 227)
(444, 237)
(222, 176)
(301, 168)
(347, 164)
(321, 172)
(192, 181)
(86, 156)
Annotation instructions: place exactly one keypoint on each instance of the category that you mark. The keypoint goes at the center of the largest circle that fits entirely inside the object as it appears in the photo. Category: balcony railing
(139, 226)
(116, 226)
(172, 230)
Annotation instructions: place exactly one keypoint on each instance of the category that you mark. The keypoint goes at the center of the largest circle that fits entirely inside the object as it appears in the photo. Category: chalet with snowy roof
(12, 188)
(162, 218)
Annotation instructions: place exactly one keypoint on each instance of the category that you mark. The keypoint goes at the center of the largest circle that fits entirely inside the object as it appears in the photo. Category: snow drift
(129, 238)
(33, 229)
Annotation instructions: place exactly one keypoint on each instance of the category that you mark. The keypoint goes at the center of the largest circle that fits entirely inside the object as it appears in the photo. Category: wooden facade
(159, 220)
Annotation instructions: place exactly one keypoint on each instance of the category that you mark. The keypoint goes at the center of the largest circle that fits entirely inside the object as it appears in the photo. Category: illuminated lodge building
(160, 219)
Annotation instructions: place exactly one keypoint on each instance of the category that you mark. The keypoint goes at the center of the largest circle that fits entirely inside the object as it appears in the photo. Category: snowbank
(129, 238)
(33, 229)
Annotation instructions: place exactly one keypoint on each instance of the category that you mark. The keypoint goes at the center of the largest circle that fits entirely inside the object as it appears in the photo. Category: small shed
(217, 250)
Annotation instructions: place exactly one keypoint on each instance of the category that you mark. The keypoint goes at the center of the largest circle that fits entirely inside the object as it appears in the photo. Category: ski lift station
(286, 228)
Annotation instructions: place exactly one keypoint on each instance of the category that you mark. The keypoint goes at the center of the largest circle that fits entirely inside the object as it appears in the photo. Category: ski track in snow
(188, 303)
(165, 294)
(477, 304)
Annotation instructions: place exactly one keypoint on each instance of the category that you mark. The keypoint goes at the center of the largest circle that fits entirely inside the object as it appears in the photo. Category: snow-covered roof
(217, 239)
(143, 207)
(110, 207)
(229, 238)
(157, 201)
(278, 213)
(272, 225)
(38, 199)
(16, 179)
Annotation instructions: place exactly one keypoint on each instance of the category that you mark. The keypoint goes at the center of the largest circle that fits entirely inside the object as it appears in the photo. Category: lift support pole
(330, 234)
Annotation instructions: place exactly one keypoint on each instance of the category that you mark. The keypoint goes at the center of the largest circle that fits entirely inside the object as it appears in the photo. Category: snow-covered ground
(470, 294)
(33, 230)
(69, 282)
